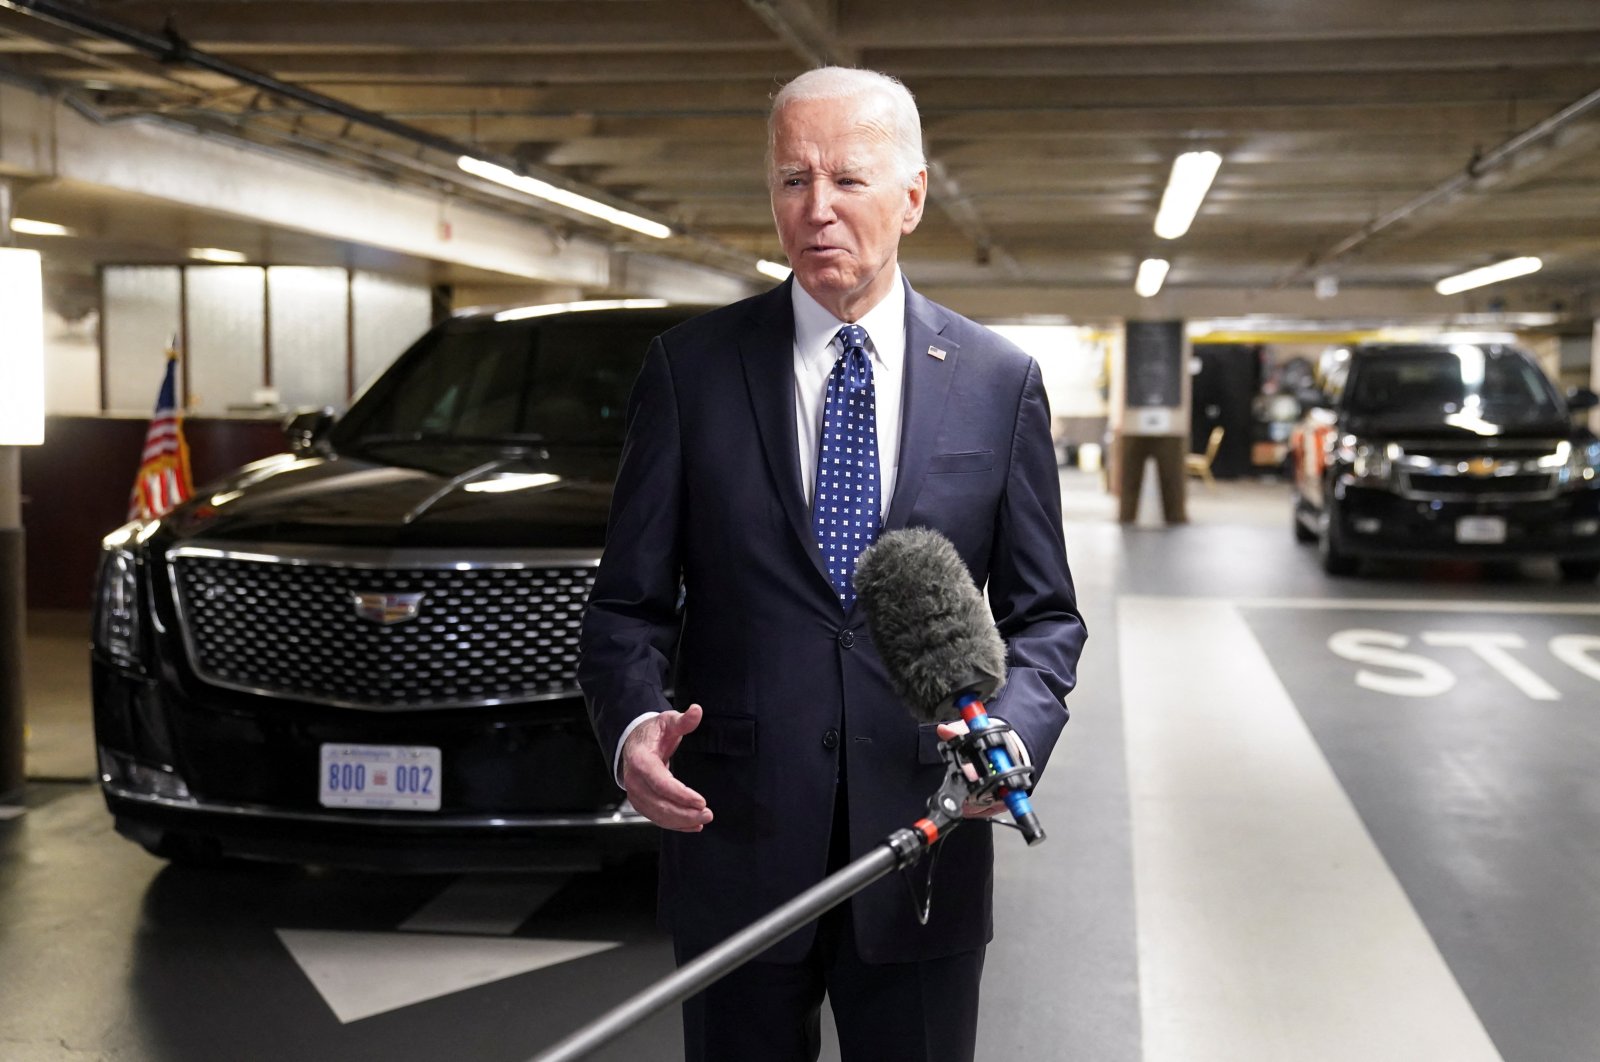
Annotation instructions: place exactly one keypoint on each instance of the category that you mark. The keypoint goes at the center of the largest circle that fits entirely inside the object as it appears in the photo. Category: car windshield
(1466, 379)
(507, 383)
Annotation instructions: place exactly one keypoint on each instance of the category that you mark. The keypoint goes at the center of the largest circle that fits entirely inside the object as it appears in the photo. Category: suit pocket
(722, 735)
(928, 743)
(970, 461)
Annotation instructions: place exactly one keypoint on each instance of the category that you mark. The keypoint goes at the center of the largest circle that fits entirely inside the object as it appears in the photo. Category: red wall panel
(75, 489)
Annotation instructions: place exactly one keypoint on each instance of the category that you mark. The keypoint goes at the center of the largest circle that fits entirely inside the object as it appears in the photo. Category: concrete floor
(56, 673)
(1293, 818)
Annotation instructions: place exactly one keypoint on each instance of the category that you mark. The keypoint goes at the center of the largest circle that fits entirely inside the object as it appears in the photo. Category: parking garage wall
(252, 338)
(75, 489)
(256, 342)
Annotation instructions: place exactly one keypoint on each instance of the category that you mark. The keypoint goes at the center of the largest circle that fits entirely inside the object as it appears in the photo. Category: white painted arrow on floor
(439, 952)
(362, 974)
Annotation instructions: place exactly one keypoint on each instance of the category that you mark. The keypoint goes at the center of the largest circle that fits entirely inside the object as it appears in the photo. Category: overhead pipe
(1453, 186)
(169, 47)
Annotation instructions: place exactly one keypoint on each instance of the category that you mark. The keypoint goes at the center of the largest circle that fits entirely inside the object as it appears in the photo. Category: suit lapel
(767, 354)
(927, 386)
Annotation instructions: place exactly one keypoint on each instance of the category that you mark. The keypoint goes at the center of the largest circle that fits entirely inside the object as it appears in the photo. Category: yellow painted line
(1251, 338)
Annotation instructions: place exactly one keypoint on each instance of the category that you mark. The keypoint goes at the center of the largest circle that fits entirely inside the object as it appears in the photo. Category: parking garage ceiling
(1051, 126)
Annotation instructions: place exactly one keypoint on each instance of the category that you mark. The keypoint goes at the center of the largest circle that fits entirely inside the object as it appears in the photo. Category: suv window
(1431, 380)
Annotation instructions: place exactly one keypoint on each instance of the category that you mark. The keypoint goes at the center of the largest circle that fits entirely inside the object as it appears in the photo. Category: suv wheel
(1300, 515)
(183, 850)
(1335, 561)
(1580, 571)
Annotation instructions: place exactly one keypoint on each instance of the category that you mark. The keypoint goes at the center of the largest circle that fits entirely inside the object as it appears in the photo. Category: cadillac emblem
(375, 606)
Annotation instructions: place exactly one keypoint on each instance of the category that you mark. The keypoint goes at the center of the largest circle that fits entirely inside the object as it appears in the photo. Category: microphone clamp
(972, 748)
(983, 749)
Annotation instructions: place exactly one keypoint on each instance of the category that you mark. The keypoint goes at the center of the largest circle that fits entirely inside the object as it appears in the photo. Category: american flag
(163, 480)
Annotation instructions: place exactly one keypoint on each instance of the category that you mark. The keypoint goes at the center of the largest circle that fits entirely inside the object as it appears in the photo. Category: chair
(1200, 464)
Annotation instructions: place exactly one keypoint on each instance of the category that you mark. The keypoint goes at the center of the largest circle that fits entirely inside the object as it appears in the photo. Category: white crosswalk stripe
(1269, 924)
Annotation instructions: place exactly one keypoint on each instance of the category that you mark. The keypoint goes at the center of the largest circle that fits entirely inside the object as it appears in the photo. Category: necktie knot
(853, 338)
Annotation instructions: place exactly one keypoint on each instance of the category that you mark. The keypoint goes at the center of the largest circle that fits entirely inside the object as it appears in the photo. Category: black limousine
(361, 652)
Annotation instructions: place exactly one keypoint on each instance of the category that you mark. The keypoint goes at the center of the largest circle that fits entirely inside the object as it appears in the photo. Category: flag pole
(163, 479)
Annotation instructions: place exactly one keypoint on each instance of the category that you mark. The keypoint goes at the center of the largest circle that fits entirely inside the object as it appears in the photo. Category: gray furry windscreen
(929, 622)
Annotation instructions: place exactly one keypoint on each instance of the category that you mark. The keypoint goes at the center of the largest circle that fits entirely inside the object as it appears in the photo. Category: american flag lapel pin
(937, 352)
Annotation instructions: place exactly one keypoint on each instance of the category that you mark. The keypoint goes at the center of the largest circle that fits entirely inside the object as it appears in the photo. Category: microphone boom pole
(901, 849)
(942, 653)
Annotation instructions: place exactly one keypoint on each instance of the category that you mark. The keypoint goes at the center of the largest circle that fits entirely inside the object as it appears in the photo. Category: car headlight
(1582, 467)
(1367, 461)
(117, 612)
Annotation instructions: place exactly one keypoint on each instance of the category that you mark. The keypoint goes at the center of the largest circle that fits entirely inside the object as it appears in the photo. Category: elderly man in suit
(768, 443)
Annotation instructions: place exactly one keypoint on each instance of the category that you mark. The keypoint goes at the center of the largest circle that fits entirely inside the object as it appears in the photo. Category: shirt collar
(815, 327)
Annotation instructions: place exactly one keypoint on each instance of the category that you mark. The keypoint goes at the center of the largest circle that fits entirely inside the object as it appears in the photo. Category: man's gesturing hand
(651, 789)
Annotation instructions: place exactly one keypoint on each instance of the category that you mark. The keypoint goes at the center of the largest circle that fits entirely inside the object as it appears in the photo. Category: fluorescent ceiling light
(1192, 173)
(30, 227)
(1490, 274)
(218, 254)
(1152, 272)
(775, 270)
(561, 197)
(522, 313)
(22, 348)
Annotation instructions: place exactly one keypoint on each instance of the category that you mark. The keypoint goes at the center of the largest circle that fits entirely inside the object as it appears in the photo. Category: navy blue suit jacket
(794, 692)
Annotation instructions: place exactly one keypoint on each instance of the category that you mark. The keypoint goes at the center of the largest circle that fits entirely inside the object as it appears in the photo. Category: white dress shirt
(816, 351)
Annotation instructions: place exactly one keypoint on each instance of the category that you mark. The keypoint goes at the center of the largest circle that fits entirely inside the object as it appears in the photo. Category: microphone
(938, 641)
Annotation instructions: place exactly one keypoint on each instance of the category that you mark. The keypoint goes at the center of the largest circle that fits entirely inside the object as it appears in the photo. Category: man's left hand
(985, 807)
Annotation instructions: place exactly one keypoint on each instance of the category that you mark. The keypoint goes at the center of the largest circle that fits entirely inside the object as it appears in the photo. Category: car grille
(1444, 487)
(289, 626)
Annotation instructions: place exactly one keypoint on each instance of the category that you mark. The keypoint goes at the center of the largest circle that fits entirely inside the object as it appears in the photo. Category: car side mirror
(1581, 398)
(306, 429)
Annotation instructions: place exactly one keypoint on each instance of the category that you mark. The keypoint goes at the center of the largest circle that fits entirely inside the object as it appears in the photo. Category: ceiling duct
(170, 48)
(1478, 172)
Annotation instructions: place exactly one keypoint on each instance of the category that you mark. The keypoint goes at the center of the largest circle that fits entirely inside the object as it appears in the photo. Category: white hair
(843, 82)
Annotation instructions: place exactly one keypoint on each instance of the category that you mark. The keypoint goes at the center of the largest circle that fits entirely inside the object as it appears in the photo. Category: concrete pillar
(1594, 376)
(12, 607)
(1152, 421)
(12, 613)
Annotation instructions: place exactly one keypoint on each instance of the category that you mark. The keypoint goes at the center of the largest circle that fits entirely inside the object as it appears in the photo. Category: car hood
(452, 497)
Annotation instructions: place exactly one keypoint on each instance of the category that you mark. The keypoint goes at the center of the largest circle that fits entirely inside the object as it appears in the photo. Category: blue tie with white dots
(844, 513)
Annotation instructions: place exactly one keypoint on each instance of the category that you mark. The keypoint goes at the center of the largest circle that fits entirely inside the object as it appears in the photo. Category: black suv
(1446, 450)
(361, 652)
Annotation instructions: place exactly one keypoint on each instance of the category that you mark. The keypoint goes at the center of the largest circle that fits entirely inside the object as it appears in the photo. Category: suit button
(847, 639)
(830, 739)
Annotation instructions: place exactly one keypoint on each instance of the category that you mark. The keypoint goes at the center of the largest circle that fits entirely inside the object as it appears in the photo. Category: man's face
(839, 203)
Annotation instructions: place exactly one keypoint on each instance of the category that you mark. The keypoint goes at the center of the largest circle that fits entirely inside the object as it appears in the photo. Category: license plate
(392, 777)
(1481, 530)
